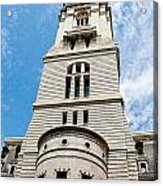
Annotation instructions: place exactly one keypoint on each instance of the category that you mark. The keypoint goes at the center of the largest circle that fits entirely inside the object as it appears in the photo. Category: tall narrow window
(75, 117)
(68, 87)
(78, 22)
(61, 175)
(85, 116)
(18, 148)
(64, 118)
(69, 70)
(86, 86)
(82, 22)
(86, 21)
(77, 86)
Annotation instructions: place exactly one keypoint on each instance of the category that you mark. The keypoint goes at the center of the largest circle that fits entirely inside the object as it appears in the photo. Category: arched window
(82, 18)
(78, 74)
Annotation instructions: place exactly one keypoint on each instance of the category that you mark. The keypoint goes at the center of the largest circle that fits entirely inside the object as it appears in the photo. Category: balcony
(80, 33)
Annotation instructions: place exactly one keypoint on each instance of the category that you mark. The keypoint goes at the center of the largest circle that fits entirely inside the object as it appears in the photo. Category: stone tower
(79, 128)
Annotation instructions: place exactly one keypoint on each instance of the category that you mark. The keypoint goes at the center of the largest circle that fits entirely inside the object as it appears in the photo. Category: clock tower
(79, 128)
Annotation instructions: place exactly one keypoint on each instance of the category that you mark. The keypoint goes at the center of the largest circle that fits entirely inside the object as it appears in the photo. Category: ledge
(54, 57)
(14, 140)
(63, 102)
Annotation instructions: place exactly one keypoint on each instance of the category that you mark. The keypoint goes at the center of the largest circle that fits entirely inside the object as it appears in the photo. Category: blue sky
(29, 33)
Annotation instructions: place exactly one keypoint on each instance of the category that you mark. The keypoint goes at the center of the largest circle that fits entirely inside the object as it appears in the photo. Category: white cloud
(7, 37)
(139, 87)
(134, 32)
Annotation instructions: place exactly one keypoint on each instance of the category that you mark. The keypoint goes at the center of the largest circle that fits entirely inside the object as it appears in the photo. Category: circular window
(87, 145)
(64, 141)
(45, 146)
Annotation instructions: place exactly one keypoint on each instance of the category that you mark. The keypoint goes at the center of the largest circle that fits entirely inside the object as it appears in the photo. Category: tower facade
(79, 128)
